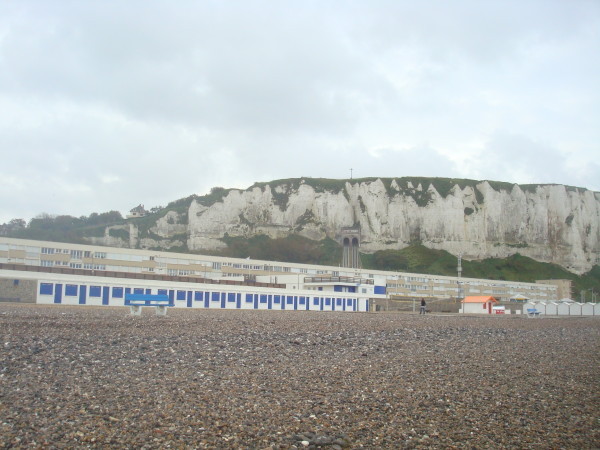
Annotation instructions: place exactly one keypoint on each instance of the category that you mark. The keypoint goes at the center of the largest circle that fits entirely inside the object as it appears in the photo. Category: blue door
(58, 293)
(105, 291)
(206, 300)
(82, 294)
(189, 299)
(238, 301)
(223, 299)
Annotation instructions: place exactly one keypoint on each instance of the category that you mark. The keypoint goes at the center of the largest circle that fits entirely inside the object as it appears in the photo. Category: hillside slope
(478, 219)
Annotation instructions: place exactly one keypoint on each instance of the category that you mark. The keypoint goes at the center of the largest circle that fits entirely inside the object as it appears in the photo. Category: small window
(198, 296)
(117, 292)
(95, 291)
(263, 298)
(290, 300)
(215, 296)
(231, 297)
(316, 301)
(46, 288)
(249, 298)
(71, 290)
(276, 299)
(180, 295)
(162, 292)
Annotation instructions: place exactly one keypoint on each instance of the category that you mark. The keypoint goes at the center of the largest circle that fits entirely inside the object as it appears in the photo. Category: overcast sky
(108, 104)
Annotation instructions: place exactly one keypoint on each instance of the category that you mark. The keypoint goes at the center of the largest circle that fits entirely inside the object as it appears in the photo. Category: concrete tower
(351, 246)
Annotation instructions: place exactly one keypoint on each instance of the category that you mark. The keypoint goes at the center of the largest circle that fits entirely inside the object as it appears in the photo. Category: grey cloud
(102, 99)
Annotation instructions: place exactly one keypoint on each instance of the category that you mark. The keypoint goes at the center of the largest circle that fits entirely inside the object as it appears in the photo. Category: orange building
(479, 304)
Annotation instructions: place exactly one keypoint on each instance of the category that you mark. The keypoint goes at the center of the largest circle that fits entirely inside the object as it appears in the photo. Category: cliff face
(550, 223)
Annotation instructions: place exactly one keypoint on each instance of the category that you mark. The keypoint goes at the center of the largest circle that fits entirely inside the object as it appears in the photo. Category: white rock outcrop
(549, 223)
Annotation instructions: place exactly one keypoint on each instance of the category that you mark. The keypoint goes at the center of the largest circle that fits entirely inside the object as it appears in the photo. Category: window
(162, 292)
(47, 251)
(46, 288)
(117, 292)
(327, 302)
(290, 300)
(138, 291)
(263, 298)
(180, 295)
(45, 263)
(198, 296)
(249, 298)
(100, 255)
(215, 297)
(276, 299)
(216, 266)
(75, 265)
(71, 290)
(95, 291)
(231, 297)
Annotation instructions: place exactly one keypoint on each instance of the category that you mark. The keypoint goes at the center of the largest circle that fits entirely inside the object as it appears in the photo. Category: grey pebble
(92, 377)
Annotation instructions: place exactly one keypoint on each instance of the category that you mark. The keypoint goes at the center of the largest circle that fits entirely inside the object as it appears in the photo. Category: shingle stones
(97, 377)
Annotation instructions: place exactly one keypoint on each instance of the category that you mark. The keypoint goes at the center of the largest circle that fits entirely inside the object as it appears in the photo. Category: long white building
(84, 274)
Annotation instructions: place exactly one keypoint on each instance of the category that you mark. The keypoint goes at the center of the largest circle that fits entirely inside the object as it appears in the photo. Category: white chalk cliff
(549, 223)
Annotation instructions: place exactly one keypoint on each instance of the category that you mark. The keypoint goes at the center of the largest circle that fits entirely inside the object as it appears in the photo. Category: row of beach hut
(564, 307)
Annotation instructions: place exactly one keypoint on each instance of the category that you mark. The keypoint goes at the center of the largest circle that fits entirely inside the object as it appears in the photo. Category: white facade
(372, 283)
(564, 308)
(69, 289)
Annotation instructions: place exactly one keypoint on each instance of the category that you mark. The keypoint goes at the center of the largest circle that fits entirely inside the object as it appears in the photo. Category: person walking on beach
(422, 310)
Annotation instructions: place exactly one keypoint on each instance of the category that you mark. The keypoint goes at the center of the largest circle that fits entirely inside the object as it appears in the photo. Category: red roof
(480, 299)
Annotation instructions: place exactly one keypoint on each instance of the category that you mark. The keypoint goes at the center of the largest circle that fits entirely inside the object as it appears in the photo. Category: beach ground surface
(99, 377)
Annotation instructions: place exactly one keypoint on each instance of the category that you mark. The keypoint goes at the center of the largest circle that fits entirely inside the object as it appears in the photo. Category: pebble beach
(97, 377)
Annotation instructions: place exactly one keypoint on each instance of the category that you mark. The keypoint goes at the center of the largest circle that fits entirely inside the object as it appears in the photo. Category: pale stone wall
(17, 290)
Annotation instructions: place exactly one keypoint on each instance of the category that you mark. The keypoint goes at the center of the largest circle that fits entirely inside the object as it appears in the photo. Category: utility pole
(459, 270)
(351, 173)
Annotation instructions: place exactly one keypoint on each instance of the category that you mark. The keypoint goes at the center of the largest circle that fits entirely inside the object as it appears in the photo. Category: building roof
(480, 299)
